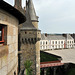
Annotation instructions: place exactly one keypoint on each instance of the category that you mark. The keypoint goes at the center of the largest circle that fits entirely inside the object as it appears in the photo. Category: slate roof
(32, 11)
(55, 37)
(28, 24)
(52, 37)
(68, 55)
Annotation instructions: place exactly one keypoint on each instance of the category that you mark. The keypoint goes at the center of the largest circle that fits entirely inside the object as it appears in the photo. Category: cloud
(54, 15)
(10, 1)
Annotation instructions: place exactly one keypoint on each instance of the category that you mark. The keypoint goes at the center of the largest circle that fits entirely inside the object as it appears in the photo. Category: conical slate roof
(32, 11)
(28, 24)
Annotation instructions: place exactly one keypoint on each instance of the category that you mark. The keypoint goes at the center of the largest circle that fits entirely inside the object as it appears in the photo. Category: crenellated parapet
(30, 37)
(29, 40)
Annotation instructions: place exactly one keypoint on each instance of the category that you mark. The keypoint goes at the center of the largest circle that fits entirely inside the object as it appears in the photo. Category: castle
(19, 32)
(10, 18)
(29, 40)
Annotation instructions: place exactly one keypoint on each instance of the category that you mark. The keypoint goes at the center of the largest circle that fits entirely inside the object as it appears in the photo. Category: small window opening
(25, 32)
(1, 34)
(14, 73)
(46, 42)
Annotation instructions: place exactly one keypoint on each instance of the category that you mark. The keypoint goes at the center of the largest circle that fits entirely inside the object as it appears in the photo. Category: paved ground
(68, 55)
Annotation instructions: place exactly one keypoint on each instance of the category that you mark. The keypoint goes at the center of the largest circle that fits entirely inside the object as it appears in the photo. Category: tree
(28, 68)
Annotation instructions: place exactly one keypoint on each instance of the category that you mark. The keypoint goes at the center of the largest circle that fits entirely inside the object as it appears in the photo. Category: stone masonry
(29, 37)
(9, 51)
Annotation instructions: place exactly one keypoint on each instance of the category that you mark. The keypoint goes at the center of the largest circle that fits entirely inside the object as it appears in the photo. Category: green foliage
(46, 57)
(28, 68)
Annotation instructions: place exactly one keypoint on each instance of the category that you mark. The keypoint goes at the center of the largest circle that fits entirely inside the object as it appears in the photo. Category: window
(62, 46)
(52, 42)
(46, 42)
(61, 42)
(59, 46)
(40, 47)
(25, 32)
(68, 42)
(1, 34)
(41, 43)
(56, 46)
(56, 42)
(53, 46)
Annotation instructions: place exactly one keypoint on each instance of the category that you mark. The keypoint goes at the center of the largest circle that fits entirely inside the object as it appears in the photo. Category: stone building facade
(29, 40)
(9, 38)
(69, 41)
(54, 41)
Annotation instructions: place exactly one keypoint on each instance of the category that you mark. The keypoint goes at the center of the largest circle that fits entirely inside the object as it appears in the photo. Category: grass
(45, 57)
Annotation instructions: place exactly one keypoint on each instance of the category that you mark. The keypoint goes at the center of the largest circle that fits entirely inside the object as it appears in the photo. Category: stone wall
(35, 24)
(9, 59)
(29, 46)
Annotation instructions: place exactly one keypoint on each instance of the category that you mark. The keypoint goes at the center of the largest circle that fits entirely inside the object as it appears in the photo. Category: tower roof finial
(18, 3)
(32, 11)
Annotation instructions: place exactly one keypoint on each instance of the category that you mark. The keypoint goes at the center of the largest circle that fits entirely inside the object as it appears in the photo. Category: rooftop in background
(28, 24)
(52, 37)
(46, 57)
(68, 55)
(46, 36)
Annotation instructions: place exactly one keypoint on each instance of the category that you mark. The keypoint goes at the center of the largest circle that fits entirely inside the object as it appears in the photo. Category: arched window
(46, 42)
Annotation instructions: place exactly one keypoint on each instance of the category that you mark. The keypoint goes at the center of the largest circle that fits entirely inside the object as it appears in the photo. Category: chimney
(46, 34)
(18, 4)
(64, 35)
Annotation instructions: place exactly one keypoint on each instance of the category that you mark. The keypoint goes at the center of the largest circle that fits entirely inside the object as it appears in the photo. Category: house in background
(56, 41)
(69, 41)
(10, 18)
(44, 43)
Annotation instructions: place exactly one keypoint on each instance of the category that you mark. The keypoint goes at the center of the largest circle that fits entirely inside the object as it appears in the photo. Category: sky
(55, 16)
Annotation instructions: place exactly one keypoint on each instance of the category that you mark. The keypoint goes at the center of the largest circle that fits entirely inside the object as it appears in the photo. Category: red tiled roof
(50, 64)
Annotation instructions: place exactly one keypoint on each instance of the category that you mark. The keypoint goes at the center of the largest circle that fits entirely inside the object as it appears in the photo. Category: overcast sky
(55, 16)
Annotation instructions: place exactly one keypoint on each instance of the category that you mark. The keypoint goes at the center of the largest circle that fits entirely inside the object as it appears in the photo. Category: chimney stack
(64, 35)
(46, 34)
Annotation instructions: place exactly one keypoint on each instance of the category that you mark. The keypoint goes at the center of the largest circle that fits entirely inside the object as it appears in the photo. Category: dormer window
(1, 34)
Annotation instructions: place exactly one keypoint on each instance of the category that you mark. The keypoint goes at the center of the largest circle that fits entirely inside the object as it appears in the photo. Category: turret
(32, 13)
(29, 39)
(18, 4)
